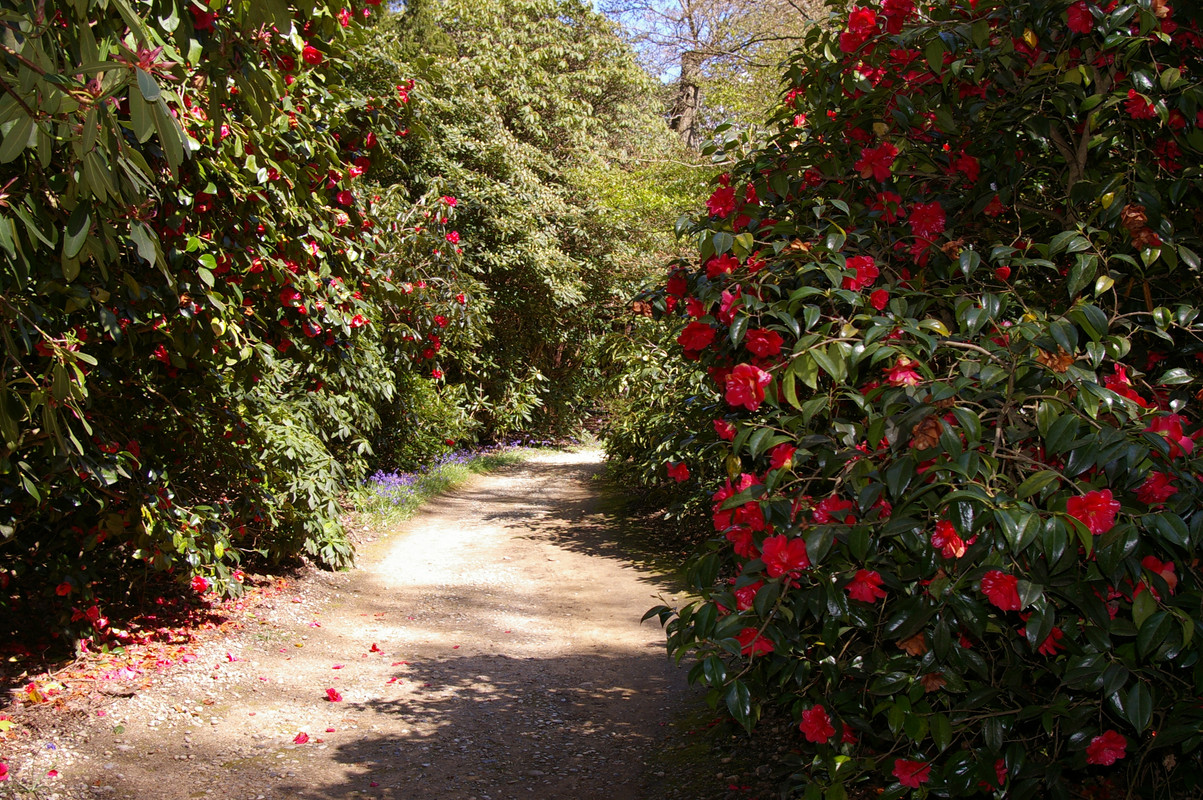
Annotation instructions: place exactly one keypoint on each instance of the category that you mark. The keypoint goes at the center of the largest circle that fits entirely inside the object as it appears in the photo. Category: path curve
(511, 664)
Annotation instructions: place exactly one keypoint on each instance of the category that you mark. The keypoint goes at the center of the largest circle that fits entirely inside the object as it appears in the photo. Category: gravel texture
(489, 649)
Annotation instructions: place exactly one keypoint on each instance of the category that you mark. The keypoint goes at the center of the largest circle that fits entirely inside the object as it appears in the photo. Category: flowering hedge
(197, 329)
(948, 308)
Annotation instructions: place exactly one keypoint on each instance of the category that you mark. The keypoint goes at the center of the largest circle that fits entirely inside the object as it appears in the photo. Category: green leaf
(1174, 377)
(1033, 484)
(78, 226)
(141, 117)
(1139, 707)
(147, 86)
(171, 137)
(146, 241)
(969, 262)
(1143, 607)
(15, 139)
(934, 52)
(739, 703)
(1153, 633)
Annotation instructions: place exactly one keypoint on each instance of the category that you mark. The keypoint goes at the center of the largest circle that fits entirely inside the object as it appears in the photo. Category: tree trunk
(684, 115)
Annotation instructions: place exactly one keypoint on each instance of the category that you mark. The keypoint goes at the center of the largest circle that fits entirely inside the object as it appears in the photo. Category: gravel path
(490, 649)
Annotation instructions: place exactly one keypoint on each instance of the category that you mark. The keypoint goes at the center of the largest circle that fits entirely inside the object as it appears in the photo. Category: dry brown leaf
(914, 646)
(1058, 363)
(1133, 218)
(933, 681)
(926, 434)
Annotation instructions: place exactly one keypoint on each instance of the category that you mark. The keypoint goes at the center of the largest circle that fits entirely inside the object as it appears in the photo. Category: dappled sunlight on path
(489, 648)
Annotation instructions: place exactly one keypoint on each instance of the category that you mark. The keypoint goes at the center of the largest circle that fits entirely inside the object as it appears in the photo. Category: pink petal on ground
(301, 738)
(333, 696)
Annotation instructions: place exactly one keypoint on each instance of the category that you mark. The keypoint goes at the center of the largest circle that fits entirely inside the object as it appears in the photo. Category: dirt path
(489, 649)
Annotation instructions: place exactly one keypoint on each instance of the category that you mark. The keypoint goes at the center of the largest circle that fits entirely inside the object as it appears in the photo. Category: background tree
(540, 124)
(719, 57)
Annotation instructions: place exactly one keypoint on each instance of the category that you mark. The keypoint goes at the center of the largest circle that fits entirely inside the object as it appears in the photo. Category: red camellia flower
(1001, 589)
(679, 472)
(345, 198)
(896, 13)
(1163, 568)
(751, 643)
(816, 725)
(875, 162)
(781, 455)
(745, 596)
(879, 299)
(745, 386)
(903, 373)
(927, 219)
(721, 265)
(722, 202)
(947, 541)
(311, 55)
(63, 589)
(3, 771)
(862, 24)
(676, 285)
(724, 429)
(1079, 18)
(763, 343)
(1156, 489)
(1106, 748)
(1052, 644)
(1138, 106)
(782, 555)
(1096, 510)
(890, 206)
(911, 773)
(202, 20)
(1170, 426)
(743, 542)
(831, 509)
(696, 337)
(866, 273)
(453, 237)
(866, 586)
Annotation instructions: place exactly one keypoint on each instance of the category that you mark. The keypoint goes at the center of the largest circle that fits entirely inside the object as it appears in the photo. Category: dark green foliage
(951, 309)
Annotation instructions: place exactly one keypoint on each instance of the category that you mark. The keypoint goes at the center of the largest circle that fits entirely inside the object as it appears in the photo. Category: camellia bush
(198, 331)
(951, 310)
